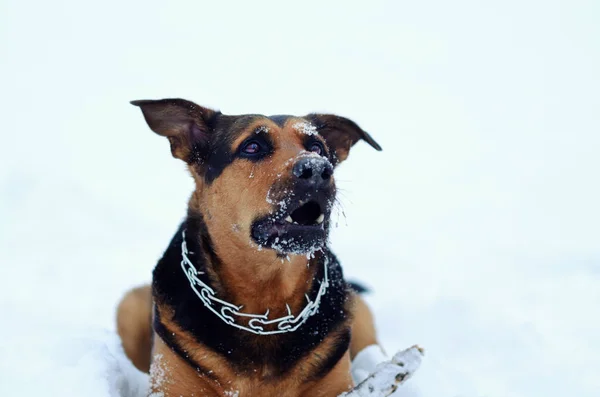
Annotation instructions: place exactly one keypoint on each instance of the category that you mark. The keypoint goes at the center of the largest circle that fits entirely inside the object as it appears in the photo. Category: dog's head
(260, 181)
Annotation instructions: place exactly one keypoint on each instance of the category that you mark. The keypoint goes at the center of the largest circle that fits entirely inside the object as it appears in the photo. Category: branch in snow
(389, 375)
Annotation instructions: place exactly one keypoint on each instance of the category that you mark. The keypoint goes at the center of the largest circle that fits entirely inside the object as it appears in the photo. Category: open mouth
(298, 227)
(308, 214)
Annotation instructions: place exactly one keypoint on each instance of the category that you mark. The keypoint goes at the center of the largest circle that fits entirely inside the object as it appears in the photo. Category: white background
(477, 227)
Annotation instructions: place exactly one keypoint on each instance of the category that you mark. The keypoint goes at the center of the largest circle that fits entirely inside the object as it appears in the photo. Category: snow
(476, 227)
(305, 128)
(88, 362)
(262, 130)
(389, 375)
(159, 374)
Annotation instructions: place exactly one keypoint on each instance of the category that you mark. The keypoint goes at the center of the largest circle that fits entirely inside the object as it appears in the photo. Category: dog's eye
(251, 147)
(317, 148)
(255, 148)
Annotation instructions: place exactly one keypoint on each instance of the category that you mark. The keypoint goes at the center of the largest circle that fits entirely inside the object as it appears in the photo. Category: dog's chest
(172, 376)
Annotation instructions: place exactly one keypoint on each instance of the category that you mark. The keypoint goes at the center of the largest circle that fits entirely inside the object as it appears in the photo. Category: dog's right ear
(185, 124)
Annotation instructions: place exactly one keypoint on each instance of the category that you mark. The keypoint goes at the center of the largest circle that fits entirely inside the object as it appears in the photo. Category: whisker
(338, 207)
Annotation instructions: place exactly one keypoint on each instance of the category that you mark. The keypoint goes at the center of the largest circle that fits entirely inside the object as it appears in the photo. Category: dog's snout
(313, 170)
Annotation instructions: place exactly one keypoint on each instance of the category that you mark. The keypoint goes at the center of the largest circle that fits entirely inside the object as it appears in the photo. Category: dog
(248, 299)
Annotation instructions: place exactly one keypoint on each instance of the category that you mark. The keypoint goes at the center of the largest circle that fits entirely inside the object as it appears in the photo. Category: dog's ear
(185, 124)
(340, 133)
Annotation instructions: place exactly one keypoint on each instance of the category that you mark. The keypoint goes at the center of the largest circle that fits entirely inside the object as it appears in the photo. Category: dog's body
(248, 300)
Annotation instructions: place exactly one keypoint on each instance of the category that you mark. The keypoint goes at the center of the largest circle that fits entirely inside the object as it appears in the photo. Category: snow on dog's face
(261, 181)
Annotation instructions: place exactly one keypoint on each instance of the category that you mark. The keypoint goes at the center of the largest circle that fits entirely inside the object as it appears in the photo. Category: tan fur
(133, 325)
(363, 327)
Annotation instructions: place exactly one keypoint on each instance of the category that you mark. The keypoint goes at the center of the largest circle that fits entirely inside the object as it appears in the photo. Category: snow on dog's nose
(312, 171)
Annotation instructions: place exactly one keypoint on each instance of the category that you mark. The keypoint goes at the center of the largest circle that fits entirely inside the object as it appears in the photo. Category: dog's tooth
(295, 223)
(321, 218)
(289, 219)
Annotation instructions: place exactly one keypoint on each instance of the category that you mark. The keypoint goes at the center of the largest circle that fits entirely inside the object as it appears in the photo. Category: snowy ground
(477, 227)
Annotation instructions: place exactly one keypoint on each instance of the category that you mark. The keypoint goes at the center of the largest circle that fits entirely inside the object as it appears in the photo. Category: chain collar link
(229, 312)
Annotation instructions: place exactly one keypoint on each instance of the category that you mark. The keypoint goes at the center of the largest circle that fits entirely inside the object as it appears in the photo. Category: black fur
(216, 163)
(171, 288)
(327, 363)
(280, 119)
(214, 156)
(358, 287)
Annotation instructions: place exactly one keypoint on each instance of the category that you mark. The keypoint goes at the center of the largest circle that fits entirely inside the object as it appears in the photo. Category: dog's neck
(258, 279)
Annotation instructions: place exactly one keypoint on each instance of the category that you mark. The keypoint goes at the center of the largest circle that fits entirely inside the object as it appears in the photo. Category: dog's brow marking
(227, 311)
(256, 126)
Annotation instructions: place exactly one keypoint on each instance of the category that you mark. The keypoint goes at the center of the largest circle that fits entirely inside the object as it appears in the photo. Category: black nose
(313, 170)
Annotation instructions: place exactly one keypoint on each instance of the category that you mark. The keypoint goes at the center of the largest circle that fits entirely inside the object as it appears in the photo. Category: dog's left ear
(340, 133)
(185, 124)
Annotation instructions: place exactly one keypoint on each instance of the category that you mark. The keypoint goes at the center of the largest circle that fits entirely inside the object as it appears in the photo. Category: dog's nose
(313, 170)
